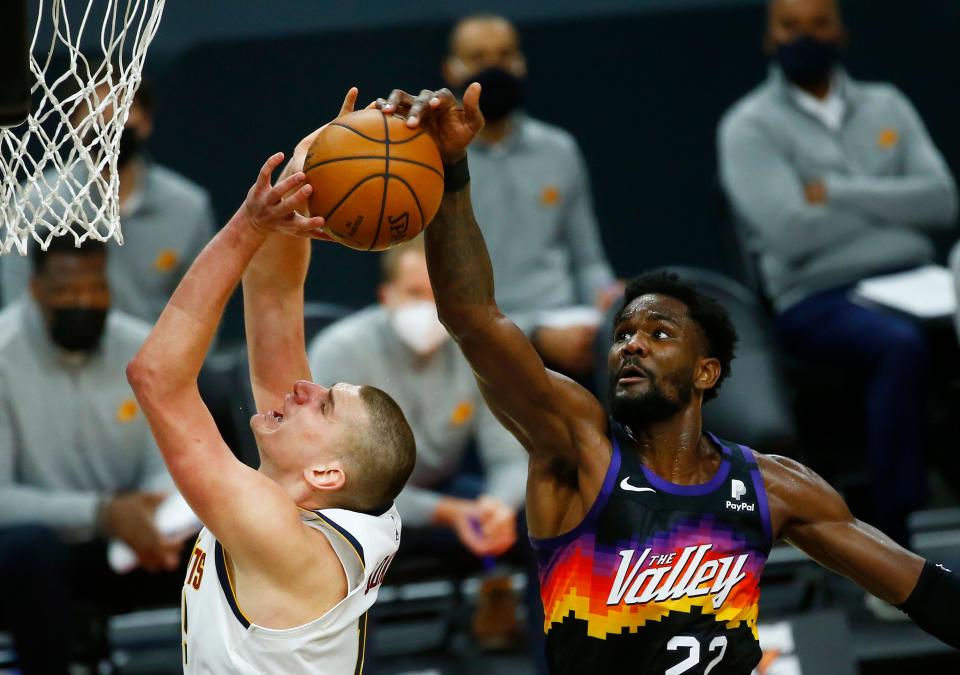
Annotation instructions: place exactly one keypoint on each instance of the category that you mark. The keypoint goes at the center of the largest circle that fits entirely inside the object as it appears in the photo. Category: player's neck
(676, 449)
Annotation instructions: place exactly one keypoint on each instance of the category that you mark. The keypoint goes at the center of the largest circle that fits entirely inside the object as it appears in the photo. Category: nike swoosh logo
(625, 485)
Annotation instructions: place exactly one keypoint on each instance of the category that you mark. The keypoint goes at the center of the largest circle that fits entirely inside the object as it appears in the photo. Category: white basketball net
(59, 168)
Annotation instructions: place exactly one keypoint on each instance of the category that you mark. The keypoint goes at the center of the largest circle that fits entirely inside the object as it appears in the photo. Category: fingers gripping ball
(376, 182)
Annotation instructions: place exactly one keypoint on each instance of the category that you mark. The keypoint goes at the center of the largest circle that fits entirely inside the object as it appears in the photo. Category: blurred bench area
(641, 85)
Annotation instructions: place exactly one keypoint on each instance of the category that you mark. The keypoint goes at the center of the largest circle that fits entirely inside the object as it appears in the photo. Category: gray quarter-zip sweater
(886, 183)
(70, 429)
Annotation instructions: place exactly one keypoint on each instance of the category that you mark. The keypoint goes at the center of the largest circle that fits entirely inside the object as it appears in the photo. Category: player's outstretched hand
(451, 124)
(274, 208)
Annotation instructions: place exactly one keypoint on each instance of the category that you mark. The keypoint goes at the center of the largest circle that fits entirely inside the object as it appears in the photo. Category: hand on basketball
(130, 518)
(452, 125)
(278, 208)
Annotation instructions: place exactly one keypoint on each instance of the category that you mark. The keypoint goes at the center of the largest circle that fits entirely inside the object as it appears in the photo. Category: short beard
(651, 407)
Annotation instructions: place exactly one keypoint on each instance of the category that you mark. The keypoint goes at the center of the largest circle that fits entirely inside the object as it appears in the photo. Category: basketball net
(59, 168)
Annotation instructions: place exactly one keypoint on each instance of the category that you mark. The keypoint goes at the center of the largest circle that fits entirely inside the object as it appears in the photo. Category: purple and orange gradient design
(579, 574)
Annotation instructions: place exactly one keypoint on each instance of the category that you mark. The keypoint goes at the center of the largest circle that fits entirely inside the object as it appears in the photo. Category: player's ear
(325, 476)
(707, 373)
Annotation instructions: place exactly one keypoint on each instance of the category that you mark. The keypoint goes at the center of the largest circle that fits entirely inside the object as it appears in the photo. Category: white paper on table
(566, 317)
(927, 292)
(174, 518)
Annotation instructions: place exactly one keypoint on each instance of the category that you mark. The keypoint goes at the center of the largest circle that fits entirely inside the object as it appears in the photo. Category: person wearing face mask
(401, 347)
(531, 192)
(78, 464)
(166, 219)
(835, 180)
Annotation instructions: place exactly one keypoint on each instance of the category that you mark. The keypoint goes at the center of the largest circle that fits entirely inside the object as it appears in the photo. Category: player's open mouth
(275, 415)
(631, 375)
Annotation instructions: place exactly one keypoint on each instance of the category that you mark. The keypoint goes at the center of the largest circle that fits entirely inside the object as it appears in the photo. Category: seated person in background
(531, 191)
(837, 180)
(78, 464)
(166, 219)
(401, 347)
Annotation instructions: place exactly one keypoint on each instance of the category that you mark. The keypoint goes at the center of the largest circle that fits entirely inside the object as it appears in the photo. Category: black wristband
(456, 176)
(931, 604)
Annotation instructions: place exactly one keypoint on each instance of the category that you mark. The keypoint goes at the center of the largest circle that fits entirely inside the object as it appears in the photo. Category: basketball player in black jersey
(651, 533)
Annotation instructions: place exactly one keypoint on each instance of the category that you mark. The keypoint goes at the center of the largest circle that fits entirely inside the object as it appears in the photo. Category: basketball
(376, 182)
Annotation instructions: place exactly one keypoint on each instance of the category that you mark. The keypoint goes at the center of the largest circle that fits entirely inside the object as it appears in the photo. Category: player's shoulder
(788, 476)
(175, 188)
(370, 534)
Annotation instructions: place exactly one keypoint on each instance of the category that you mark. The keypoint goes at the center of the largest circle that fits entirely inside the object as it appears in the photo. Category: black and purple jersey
(660, 578)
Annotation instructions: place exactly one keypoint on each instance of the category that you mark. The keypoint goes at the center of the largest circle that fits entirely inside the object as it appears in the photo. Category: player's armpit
(808, 513)
(246, 511)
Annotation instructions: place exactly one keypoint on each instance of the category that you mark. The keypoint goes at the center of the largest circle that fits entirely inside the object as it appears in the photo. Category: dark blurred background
(640, 84)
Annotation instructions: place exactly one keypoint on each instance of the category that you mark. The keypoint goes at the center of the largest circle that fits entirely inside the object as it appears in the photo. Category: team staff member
(166, 218)
(78, 464)
(532, 194)
(837, 180)
(652, 533)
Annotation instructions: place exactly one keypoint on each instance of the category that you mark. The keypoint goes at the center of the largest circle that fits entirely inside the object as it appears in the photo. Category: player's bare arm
(273, 301)
(809, 514)
(245, 510)
(559, 423)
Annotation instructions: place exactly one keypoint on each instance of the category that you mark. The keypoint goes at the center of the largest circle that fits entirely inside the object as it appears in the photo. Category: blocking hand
(452, 125)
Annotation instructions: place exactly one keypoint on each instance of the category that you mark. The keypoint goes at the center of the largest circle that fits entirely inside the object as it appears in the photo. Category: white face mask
(416, 323)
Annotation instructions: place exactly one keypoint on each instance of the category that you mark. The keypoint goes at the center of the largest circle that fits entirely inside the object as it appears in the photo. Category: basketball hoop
(59, 167)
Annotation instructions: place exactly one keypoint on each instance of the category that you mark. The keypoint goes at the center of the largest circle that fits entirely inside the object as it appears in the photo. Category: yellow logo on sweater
(550, 196)
(127, 411)
(166, 260)
(888, 138)
(462, 413)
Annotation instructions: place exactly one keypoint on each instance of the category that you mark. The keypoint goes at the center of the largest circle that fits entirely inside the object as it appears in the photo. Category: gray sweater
(440, 399)
(70, 429)
(169, 224)
(531, 195)
(886, 184)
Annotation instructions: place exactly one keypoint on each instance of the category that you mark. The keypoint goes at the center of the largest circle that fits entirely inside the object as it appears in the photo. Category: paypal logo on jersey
(737, 490)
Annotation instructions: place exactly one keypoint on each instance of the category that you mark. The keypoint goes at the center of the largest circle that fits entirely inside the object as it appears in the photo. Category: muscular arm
(273, 299)
(541, 408)
(809, 514)
(243, 508)
(273, 318)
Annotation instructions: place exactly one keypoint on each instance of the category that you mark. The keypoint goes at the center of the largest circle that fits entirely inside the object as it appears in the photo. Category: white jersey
(219, 640)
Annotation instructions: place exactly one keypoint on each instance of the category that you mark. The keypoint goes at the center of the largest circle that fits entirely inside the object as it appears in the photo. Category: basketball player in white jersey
(292, 555)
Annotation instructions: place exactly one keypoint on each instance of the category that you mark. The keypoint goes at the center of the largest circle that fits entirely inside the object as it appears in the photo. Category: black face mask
(502, 92)
(77, 329)
(131, 146)
(807, 61)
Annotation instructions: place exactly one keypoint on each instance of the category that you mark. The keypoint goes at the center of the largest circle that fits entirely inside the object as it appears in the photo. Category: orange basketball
(376, 182)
